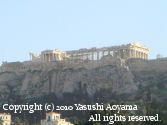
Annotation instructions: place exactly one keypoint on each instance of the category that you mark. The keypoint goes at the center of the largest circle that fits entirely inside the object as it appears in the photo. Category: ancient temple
(131, 50)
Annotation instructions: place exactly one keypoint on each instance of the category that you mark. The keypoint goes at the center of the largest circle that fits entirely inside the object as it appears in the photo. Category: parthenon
(131, 50)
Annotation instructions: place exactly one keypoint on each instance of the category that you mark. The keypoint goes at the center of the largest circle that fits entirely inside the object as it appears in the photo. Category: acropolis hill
(49, 59)
(88, 58)
(84, 72)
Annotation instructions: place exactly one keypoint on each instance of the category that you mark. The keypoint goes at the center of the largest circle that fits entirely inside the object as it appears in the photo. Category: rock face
(117, 75)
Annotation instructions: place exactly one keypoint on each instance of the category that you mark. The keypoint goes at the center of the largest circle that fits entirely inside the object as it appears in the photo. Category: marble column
(92, 55)
(144, 56)
(43, 57)
(98, 57)
(48, 57)
(129, 53)
(87, 56)
(108, 52)
(147, 56)
(140, 55)
(103, 53)
(54, 56)
(136, 54)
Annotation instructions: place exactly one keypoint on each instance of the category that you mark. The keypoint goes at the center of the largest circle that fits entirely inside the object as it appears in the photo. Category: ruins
(131, 50)
(89, 58)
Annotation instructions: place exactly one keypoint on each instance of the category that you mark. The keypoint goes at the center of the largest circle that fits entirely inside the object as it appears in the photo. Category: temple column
(103, 53)
(46, 57)
(129, 55)
(59, 57)
(147, 56)
(87, 56)
(43, 57)
(98, 57)
(92, 55)
(54, 56)
(49, 57)
(136, 54)
(144, 56)
(120, 53)
(133, 53)
(111, 52)
(82, 57)
(108, 52)
(140, 55)
(124, 53)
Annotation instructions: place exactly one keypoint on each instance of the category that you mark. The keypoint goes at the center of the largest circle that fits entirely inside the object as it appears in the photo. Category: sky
(36, 25)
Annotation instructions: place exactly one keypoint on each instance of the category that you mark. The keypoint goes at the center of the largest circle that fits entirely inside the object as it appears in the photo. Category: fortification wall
(88, 64)
(133, 64)
(152, 65)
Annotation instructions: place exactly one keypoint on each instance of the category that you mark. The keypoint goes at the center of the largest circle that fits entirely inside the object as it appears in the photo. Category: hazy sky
(35, 25)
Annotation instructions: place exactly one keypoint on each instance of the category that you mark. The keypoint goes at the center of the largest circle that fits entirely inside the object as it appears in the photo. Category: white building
(53, 118)
(5, 119)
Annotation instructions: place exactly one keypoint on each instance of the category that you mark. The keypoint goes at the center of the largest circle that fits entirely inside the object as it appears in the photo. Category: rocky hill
(116, 75)
(87, 83)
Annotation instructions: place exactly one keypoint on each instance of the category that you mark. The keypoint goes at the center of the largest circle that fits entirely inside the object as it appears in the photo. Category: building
(53, 118)
(131, 50)
(5, 118)
(49, 55)
(50, 59)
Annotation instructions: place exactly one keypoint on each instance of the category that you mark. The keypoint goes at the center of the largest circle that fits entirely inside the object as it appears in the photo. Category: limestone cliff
(118, 76)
